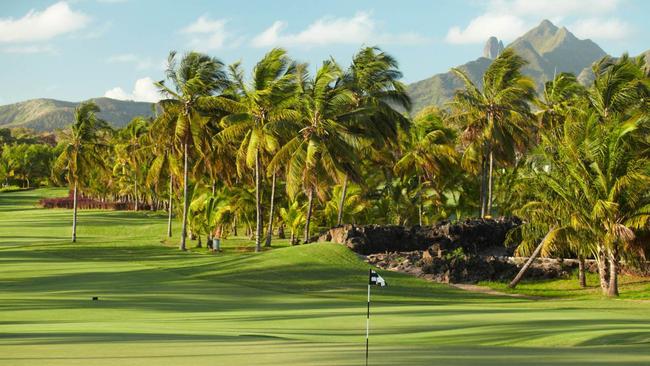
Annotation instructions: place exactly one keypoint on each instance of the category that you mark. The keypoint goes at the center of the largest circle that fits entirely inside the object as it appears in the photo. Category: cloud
(507, 19)
(479, 29)
(43, 25)
(140, 63)
(207, 34)
(31, 49)
(143, 91)
(360, 28)
(597, 28)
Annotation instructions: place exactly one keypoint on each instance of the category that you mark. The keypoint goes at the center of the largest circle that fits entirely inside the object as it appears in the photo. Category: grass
(301, 305)
(631, 287)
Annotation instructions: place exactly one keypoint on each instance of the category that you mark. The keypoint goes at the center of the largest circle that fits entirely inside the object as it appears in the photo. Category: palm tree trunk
(135, 192)
(612, 291)
(339, 219)
(483, 179)
(293, 237)
(581, 272)
(488, 210)
(419, 201)
(269, 232)
(258, 203)
(602, 269)
(530, 261)
(74, 213)
(185, 199)
(170, 206)
(308, 218)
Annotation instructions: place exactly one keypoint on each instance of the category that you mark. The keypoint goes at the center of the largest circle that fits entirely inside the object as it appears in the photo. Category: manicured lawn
(300, 305)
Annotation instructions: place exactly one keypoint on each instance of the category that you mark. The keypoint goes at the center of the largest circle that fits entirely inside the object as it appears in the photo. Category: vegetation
(287, 150)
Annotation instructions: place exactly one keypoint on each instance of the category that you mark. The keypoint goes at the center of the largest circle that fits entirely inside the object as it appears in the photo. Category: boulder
(474, 236)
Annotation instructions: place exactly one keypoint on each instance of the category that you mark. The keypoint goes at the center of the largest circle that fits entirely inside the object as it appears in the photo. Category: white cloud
(143, 91)
(479, 29)
(29, 49)
(597, 28)
(360, 28)
(207, 34)
(55, 20)
(140, 63)
(507, 19)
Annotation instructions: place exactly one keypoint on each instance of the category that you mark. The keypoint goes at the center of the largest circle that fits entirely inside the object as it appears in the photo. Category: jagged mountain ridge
(547, 48)
(51, 114)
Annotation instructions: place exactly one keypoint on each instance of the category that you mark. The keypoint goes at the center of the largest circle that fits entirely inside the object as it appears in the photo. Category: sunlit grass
(302, 305)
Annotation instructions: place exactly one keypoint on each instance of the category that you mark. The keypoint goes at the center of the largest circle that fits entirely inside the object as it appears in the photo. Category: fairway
(302, 305)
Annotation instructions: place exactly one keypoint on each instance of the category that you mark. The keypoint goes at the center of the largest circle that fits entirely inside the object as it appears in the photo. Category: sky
(79, 49)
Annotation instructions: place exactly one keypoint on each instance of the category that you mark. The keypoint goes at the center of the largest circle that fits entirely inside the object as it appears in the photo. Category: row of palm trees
(226, 150)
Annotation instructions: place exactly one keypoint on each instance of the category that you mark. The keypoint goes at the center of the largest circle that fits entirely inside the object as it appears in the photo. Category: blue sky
(78, 49)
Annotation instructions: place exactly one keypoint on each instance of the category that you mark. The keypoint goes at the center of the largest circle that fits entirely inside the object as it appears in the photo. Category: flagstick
(368, 316)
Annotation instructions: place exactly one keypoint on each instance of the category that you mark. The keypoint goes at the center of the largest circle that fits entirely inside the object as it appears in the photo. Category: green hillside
(302, 305)
(547, 48)
(51, 114)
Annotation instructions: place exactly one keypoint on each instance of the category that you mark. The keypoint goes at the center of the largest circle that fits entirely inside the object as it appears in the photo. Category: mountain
(51, 114)
(547, 48)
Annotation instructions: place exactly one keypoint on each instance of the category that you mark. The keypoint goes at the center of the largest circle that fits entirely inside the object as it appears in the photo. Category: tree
(165, 165)
(373, 77)
(129, 151)
(322, 146)
(268, 101)
(428, 152)
(81, 153)
(195, 81)
(496, 117)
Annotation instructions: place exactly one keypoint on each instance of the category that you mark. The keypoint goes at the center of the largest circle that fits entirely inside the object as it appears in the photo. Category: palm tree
(428, 152)
(195, 81)
(561, 96)
(129, 150)
(267, 101)
(373, 77)
(165, 165)
(496, 117)
(322, 146)
(81, 152)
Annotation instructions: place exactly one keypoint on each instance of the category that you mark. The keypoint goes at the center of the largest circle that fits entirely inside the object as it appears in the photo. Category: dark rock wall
(474, 236)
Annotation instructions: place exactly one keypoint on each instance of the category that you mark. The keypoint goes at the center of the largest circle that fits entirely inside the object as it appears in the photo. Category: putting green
(301, 305)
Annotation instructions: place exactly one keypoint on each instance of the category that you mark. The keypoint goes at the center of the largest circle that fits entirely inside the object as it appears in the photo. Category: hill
(547, 48)
(51, 114)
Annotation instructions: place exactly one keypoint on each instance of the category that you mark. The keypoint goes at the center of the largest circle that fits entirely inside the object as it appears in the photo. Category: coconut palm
(429, 152)
(81, 153)
(267, 101)
(165, 165)
(129, 151)
(561, 96)
(196, 80)
(373, 77)
(322, 146)
(496, 117)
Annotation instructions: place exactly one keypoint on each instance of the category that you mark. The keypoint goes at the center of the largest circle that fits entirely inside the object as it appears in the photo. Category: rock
(474, 236)
(493, 48)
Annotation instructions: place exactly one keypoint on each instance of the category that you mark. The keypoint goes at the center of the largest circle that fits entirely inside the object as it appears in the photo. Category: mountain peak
(547, 25)
(493, 48)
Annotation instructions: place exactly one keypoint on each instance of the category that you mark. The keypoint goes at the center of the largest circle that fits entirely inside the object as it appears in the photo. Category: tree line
(282, 149)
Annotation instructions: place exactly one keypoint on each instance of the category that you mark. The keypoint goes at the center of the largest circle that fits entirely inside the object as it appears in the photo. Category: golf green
(302, 305)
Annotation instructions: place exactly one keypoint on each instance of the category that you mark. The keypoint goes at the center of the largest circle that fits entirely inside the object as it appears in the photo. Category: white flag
(376, 279)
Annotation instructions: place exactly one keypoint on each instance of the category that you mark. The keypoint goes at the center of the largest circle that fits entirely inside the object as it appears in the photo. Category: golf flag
(376, 279)
(373, 279)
